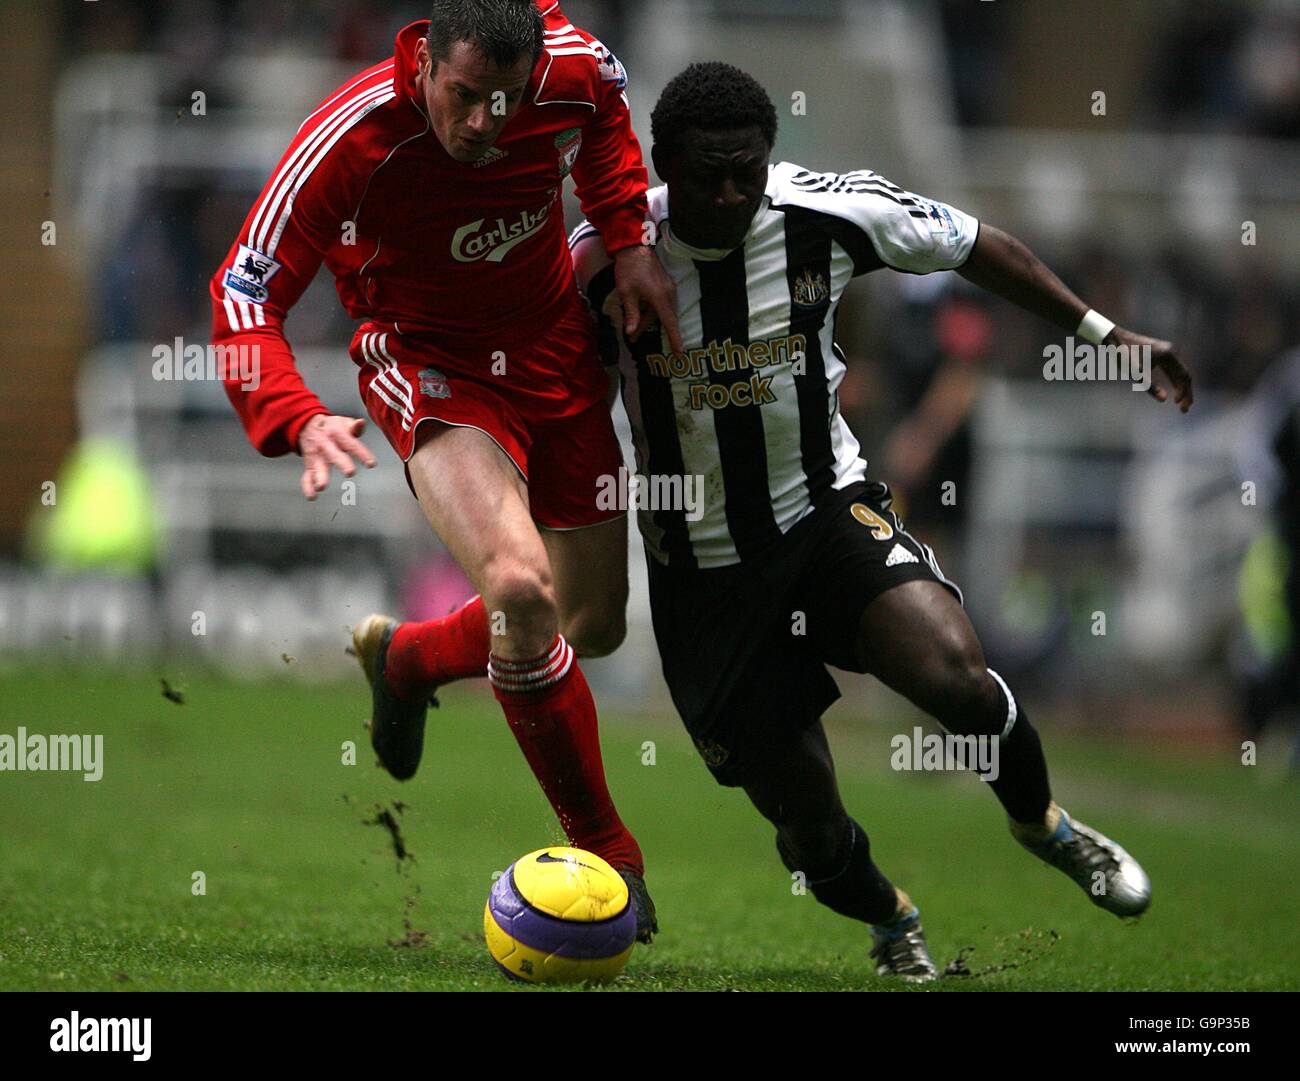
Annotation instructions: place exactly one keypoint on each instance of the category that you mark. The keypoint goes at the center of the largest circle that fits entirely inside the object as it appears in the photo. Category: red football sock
(424, 655)
(551, 712)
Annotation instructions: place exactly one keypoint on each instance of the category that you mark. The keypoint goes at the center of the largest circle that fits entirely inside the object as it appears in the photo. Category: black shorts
(745, 647)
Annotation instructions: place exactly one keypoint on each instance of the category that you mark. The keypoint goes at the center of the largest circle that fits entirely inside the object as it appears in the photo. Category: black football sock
(852, 885)
(1022, 785)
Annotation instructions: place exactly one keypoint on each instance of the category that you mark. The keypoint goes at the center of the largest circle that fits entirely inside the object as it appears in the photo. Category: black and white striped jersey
(752, 406)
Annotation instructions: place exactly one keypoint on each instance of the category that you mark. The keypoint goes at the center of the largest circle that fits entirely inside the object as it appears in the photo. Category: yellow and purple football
(560, 915)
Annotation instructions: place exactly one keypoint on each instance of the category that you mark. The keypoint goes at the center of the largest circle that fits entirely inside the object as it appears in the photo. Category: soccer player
(795, 561)
(430, 186)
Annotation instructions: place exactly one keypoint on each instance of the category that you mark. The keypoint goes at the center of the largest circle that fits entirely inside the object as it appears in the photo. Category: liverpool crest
(568, 143)
(434, 383)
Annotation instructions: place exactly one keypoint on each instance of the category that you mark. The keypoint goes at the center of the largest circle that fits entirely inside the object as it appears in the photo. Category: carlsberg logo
(473, 242)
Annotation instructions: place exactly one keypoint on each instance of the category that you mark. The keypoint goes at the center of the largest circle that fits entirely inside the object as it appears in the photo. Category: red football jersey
(473, 254)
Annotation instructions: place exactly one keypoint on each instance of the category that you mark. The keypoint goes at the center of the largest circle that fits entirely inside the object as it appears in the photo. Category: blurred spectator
(977, 36)
(1193, 74)
(1216, 65)
(1267, 662)
(1268, 67)
(938, 342)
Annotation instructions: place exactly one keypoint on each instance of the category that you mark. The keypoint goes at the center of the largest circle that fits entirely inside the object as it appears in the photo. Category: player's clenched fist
(330, 441)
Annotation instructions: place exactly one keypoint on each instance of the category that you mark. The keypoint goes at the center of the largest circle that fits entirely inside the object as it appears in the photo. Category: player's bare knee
(963, 696)
(525, 599)
(595, 633)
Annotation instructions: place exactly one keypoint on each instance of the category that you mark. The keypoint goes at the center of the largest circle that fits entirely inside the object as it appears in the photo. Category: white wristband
(1094, 327)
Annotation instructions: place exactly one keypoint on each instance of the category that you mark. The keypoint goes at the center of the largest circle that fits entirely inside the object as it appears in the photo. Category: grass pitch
(247, 785)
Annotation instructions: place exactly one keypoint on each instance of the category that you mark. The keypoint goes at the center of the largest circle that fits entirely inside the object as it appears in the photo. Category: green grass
(246, 785)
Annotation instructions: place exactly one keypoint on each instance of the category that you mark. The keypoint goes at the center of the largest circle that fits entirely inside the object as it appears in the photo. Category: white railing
(1160, 492)
(206, 477)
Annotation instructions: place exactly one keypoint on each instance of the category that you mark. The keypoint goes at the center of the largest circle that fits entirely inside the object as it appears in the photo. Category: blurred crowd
(921, 346)
(1219, 66)
(1222, 66)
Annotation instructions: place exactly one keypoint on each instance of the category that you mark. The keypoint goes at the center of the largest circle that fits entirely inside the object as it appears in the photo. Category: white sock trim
(1011, 704)
(510, 667)
(519, 677)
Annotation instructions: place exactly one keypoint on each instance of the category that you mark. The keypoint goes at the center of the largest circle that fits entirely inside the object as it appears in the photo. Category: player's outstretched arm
(330, 441)
(1003, 265)
(303, 209)
(610, 181)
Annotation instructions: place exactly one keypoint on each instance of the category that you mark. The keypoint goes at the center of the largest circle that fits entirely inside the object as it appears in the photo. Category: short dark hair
(502, 30)
(712, 96)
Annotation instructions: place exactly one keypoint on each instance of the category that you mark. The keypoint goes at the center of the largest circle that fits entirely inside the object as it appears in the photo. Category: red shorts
(561, 443)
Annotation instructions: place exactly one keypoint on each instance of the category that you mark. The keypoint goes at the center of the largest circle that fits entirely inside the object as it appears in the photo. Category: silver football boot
(1111, 878)
(900, 948)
